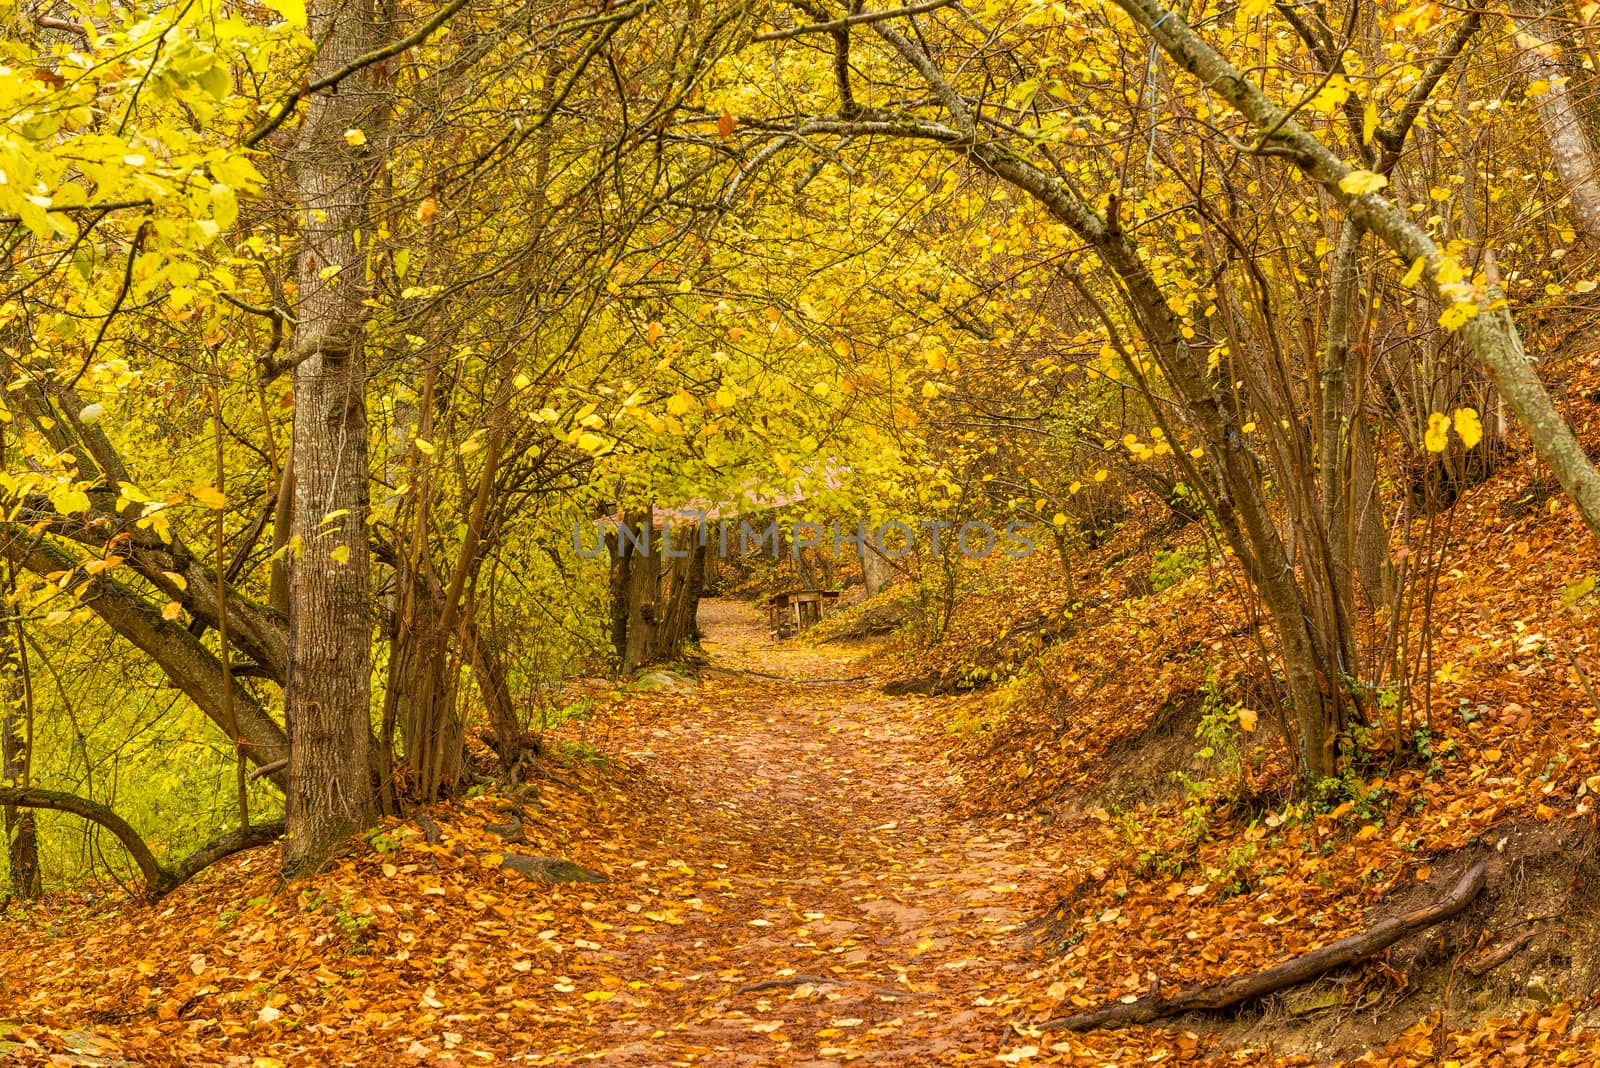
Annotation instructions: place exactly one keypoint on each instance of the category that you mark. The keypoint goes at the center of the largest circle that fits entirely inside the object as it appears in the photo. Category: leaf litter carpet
(791, 882)
(788, 885)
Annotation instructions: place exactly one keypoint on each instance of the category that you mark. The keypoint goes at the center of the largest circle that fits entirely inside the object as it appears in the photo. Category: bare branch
(862, 19)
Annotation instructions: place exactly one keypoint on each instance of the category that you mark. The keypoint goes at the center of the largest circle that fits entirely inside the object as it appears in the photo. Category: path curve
(823, 808)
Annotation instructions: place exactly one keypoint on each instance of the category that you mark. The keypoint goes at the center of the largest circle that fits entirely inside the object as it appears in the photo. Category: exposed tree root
(1292, 972)
(1499, 955)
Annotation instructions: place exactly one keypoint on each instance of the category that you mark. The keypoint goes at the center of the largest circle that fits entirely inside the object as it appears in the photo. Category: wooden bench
(794, 610)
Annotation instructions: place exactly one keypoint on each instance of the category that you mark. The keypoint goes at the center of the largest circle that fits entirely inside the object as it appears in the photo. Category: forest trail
(789, 884)
(818, 812)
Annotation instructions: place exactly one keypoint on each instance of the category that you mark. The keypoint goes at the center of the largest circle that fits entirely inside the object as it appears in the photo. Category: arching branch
(159, 879)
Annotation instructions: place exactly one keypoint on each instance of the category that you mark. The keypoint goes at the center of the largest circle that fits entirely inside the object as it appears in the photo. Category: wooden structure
(794, 610)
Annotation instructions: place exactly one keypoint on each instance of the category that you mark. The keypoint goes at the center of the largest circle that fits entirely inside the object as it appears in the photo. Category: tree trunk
(677, 601)
(1352, 512)
(617, 592)
(330, 794)
(697, 588)
(22, 836)
(494, 687)
(1570, 146)
(876, 570)
(422, 685)
(641, 588)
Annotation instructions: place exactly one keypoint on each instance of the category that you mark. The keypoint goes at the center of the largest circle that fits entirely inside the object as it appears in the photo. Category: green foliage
(1172, 566)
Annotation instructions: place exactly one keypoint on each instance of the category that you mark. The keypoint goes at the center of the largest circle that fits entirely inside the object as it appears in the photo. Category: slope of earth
(787, 886)
(1211, 863)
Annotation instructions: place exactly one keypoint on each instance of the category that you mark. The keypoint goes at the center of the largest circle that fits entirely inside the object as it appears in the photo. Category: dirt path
(819, 808)
(787, 887)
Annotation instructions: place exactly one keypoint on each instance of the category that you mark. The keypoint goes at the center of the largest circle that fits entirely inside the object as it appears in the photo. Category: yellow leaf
(1456, 316)
(1434, 437)
(355, 137)
(1358, 182)
(1331, 95)
(930, 390)
(652, 333)
(1247, 720)
(600, 995)
(1101, 475)
(210, 497)
(293, 12)
(70, 501)
(340, 554)
(1059, 520)
(1415, 273)
(171, 611)
(1468, 426)
(680, 403)
(1369, 122)
(424, 446)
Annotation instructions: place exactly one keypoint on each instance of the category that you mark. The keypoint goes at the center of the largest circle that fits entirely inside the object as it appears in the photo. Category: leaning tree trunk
(1490, 334)
(330, 793)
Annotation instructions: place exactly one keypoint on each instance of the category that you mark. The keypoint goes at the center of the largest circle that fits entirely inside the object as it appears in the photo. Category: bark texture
(330, 794)
(1559, 115)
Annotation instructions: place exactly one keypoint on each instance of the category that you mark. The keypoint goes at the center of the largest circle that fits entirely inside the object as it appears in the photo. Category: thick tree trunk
(617, 592)
(697, 589)
(330, 794)
(641, 588)
(876, 570)
(655, 590)
(22, 836)
(675, 602)
(1570, 145)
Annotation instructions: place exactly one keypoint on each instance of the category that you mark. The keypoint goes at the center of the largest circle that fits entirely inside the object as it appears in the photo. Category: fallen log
(1292, 972)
